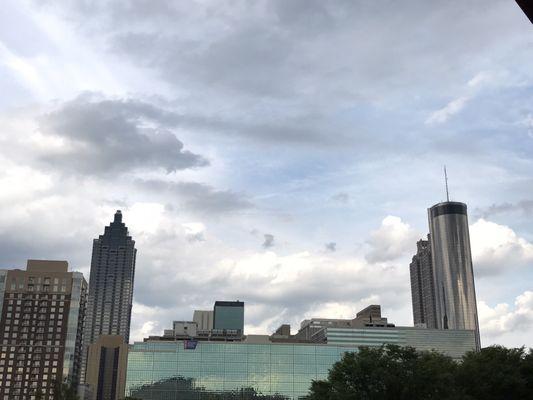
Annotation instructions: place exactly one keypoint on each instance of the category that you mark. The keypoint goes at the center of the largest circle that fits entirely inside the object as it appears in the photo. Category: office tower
(451, 257)
(42, 312)
(422, 286)
(229, 315)
(204, 319)
(110, 284)
(106, 368)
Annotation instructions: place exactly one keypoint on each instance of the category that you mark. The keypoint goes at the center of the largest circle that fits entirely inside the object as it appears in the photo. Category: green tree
(388, 372)
(496, 373)
(65, 391)
(527, 372)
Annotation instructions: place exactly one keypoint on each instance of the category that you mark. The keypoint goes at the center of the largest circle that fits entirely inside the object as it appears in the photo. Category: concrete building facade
(423, 287)
(106, 368)
(203, 319)
(42, 313)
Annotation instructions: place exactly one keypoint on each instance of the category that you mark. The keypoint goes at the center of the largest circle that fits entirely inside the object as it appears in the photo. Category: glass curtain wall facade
(452, 265)
(218, 370)
(453, 343)
(229, 315)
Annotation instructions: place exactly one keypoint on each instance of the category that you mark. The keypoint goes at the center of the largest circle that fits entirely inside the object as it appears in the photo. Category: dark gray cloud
(525, 207)
(196, 196)
(282, 49)
(331, 246)
(114, 136)
(341, 197)
(269, 241)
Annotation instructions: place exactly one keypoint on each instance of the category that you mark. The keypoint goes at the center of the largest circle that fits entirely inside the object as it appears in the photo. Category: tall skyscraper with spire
(111, 283)
(453, 272)
(442, 274)
(448, 298)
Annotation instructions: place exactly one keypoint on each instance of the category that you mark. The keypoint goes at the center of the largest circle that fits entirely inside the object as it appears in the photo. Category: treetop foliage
(393, 372)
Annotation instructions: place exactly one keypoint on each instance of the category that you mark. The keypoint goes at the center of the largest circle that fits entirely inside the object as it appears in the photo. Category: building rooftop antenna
(446, 182)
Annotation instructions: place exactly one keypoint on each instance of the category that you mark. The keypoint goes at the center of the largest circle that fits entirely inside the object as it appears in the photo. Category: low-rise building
(279, 366)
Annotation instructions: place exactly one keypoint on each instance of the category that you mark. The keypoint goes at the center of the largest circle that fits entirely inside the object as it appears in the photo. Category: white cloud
(276, 288)
(194, 231)
(480, 78)
(453, 107)
(393, 239)
(497, 248)
(145, 218)
(502, 319)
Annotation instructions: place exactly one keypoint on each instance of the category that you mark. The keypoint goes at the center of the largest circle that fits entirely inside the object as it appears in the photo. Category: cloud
(502, 319)
(249, 43)
(276, 289)
(196, 196)
(528, 123)
(269, 241)
(452, 108)
(100, 136)
(341, 197)
(257, 89)
(392, 240)
(194, 231)
(497, 248)
(523, 206)
(331, 246)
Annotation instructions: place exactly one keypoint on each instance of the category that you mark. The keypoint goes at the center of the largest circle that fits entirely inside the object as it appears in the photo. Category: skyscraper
(41, 319)
(111, 283)
(422, 286)
(453, 275)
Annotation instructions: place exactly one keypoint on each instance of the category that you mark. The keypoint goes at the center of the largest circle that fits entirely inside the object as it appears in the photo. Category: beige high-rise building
(106, 368)
(42, 312)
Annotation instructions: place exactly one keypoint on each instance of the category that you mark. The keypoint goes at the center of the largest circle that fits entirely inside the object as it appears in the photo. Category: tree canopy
(393, 372)
(64, 391)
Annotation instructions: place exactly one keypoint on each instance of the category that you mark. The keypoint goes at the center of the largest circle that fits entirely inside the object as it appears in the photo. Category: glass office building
(452, 267)
(166, 370)
(229, 315)
(175, 370)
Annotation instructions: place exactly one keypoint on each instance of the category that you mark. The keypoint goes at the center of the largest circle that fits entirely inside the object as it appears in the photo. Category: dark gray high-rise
(453, 271)
(111, 283)
(422, 286)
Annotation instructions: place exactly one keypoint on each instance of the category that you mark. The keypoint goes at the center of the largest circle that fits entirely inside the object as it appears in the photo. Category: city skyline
(254, 160)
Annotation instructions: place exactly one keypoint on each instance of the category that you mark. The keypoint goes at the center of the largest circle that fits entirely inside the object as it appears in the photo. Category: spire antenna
(446, 182)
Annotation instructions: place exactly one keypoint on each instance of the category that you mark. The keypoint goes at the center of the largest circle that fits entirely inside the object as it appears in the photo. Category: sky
(282, 153)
